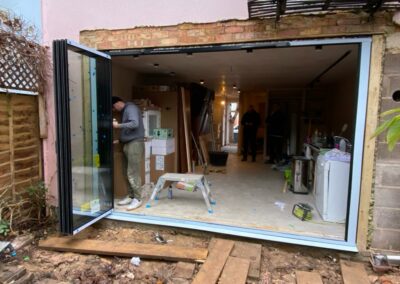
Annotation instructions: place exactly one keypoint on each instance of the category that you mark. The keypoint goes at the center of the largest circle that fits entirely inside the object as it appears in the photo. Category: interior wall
(341, 106)
(258, 99)
(123, 80)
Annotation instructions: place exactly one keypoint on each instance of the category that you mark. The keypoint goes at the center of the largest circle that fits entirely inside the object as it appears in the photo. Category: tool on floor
(160, 239)
(198, 181)
(303, 211)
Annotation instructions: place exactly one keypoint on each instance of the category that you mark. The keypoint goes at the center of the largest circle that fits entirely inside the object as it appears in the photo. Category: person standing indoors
(132, 138)
(250, 122)
(276, 132)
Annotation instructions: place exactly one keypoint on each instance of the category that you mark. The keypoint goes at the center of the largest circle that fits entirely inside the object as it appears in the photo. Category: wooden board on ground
(251, 252)
(353, 272)
(235, 271)
(127, 249)
(9, 274)
(212, 267)
(305, 277)
(248, 251)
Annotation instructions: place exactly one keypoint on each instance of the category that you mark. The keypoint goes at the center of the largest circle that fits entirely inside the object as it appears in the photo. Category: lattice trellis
(18, 66)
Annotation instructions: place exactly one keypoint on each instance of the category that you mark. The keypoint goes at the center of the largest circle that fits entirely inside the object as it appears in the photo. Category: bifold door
(82, 79)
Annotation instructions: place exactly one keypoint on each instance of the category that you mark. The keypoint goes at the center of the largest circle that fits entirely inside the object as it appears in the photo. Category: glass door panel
(84, 131)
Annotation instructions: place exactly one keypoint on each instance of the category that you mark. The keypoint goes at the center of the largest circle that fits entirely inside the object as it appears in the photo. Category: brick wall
(386, 212)
(386, 221)
(293, 27)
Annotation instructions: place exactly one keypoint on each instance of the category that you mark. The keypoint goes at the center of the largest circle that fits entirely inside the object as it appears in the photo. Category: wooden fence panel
(19, 143)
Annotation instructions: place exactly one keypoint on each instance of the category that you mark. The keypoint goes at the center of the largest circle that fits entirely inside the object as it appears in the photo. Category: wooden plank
(9, 274)
(353, 272)
(235, 271)
(374, 94)
(252, 252)
(185, 106)
(149, 251)
(305, 277)
(212, 268)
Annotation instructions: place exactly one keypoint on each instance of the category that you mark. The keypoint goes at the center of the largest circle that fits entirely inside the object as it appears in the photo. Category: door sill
(235, 231)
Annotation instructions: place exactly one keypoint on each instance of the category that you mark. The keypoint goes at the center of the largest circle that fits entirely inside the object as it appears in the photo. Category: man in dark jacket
(250, 122)
(132, 137)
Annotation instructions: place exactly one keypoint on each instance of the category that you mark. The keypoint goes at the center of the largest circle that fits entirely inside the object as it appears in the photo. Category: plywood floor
(246, 196)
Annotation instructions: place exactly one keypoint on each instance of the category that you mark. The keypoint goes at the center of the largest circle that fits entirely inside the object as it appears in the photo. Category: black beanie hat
(116, 99)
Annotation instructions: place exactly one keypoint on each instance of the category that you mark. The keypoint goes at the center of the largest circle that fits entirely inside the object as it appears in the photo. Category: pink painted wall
(65, 19)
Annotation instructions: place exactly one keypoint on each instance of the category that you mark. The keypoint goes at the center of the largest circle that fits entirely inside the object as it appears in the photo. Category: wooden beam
(126, 249)
(280, 8)
(186, 118)
(235, 271)
(212, 268)
(326, 5)
(374, 94)
(42, 116)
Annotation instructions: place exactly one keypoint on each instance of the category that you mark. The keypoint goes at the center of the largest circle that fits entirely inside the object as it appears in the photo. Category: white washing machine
(332, 189)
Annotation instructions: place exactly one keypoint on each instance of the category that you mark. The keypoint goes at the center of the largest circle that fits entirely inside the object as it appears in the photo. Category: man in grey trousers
(132, 137)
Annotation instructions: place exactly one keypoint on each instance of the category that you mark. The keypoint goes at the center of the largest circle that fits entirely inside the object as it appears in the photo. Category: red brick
(311, 31)
(224, 38)
(288, 33)
(333, 30)
(355, 21)
(215, 31)
(169, 41)
(103, 45)
(234, 29)
(196, 32)
(359, 28)
(158, 34)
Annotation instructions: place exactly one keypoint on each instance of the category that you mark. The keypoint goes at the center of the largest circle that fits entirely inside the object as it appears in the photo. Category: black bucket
(218, 158)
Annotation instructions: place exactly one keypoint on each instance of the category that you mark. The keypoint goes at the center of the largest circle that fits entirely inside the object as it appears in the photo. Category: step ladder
(197, 179)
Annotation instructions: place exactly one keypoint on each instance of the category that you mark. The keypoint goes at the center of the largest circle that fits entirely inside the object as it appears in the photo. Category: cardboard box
(120, 181)
(161, 164)
(162, 146)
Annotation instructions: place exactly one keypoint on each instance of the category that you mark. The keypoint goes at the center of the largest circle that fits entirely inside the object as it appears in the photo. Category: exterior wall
(386, 213)
(65, 19)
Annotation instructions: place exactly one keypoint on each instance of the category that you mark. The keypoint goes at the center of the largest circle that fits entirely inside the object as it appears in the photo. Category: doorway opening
(316, 85)
(298, 109)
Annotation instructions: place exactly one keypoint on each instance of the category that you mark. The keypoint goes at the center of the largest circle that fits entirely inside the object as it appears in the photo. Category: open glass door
(82, 79)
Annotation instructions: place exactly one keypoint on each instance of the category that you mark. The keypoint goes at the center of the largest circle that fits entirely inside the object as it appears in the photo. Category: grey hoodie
(132, 124)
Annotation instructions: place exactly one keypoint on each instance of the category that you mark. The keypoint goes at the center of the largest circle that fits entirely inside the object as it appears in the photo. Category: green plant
(391, 126)
(38, 197)
(4, 227)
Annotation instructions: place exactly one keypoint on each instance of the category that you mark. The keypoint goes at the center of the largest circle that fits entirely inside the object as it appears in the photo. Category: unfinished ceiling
(258, 69)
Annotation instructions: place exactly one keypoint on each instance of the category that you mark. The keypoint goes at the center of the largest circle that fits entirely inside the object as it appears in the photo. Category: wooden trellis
(278, 8)
(18, 69)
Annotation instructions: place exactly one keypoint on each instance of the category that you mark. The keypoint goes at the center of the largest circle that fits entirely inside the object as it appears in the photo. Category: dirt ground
(278, 263)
